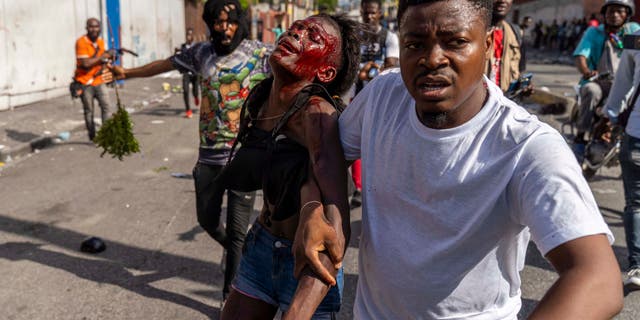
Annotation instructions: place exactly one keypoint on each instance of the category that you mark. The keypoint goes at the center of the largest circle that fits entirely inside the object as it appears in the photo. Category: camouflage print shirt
(225, 82)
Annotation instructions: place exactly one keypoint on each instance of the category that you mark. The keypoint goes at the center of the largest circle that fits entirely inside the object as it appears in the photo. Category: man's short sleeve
(632, 27)
(549, 195)
(584, 46)
(351, 126)
(393, 45)
(83, 50)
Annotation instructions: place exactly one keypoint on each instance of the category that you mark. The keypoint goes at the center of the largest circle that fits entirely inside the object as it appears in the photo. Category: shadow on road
(114, 269)
(163, 110)
(20, 136)
(618, 213)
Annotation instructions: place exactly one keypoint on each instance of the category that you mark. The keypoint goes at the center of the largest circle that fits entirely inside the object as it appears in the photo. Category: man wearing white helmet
(599, 52)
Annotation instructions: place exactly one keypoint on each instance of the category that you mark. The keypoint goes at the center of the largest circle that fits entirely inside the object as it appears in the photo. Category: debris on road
(93, 245)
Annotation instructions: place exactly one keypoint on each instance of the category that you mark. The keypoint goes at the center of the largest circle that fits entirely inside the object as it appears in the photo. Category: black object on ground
(93, 245)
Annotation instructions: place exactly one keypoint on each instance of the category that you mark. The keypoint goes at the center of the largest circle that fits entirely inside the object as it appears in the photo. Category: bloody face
(443, 47)
(371, 13)
(615, 15)
(224, 29)
(309, 47)
(93, 29)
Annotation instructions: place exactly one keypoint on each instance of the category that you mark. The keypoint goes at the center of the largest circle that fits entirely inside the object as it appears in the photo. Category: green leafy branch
(116, 134)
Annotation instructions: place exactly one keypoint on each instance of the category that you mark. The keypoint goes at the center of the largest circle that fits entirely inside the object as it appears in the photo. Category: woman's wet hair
(485, 8)
(350, 34)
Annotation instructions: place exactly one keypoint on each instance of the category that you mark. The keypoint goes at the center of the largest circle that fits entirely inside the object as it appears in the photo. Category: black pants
(186, 80)
(209, 208)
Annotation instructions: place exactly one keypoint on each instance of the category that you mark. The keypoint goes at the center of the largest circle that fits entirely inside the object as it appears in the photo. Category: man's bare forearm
(589, 286)
(581, 65)
(90, 62)
(575, 296)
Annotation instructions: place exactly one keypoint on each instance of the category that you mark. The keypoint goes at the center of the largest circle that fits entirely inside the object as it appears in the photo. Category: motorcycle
(519, 88)
(597, 153)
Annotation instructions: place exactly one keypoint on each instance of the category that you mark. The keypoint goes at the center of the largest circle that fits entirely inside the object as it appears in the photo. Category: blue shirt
(592, 43)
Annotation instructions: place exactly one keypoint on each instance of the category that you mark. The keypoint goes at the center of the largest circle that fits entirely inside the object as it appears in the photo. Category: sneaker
(356, 200)
(196, 101)
(188, 114)
(633, 278)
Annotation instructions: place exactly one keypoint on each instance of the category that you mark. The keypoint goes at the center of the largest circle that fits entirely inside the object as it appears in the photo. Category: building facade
(37, 40)
(549, 10)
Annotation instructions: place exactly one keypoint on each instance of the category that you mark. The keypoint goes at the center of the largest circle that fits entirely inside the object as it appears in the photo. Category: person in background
(598, 53)
(593, 21)
(507, 62)
(277, 31)
(628, 79)
(91, 72)
(189, 78)
(526, 23)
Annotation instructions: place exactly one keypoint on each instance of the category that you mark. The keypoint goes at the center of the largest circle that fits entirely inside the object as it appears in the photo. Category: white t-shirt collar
(471, 126)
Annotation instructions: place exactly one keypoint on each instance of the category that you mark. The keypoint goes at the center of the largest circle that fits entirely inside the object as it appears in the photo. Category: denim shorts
(266, 273)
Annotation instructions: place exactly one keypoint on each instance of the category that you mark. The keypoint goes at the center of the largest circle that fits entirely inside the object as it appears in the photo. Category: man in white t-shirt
(457, 179)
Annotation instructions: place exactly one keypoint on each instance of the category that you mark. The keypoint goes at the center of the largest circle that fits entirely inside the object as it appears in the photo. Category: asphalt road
(159, 264)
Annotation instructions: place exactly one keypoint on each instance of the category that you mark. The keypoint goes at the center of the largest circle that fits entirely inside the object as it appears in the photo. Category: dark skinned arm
(583, 67)
(589, 286)
(148, 70)
(311, 289)
(324, 226)
(88, 63)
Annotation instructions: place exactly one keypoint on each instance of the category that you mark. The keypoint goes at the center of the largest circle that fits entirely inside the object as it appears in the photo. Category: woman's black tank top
(273, 162)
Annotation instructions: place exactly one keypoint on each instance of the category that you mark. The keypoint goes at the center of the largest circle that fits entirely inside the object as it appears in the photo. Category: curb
(8, 155)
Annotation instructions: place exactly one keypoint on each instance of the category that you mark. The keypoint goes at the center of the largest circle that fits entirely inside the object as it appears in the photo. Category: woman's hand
(316, 235)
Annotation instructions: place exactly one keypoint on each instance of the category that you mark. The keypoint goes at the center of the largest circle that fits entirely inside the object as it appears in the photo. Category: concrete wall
(37, 39)
(152, 28)
(548, 10)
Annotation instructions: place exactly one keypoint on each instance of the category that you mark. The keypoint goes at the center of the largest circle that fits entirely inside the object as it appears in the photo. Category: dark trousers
(90, 94)
(186, 80)
(630, 165)
(209, 208)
